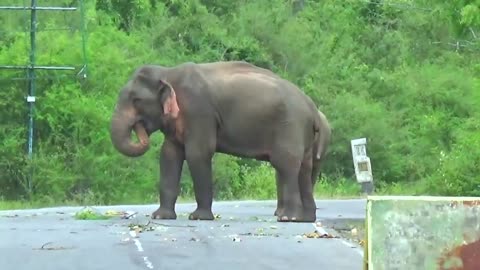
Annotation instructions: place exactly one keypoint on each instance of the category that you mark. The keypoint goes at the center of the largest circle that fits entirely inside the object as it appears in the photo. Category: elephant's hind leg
(306, 189)
(290, 204)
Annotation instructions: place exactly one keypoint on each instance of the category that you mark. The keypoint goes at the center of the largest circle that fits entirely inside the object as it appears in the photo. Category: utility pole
(31, 67)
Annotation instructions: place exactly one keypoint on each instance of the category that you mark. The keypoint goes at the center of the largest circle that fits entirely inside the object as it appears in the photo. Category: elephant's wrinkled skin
(234, 108)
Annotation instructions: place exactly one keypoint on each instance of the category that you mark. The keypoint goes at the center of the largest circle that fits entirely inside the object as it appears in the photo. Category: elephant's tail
(322, 139)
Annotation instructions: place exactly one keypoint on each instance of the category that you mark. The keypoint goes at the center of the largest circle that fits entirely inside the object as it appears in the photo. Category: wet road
(245, 236)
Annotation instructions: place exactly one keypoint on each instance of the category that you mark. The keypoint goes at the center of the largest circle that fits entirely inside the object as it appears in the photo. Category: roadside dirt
(349, 229)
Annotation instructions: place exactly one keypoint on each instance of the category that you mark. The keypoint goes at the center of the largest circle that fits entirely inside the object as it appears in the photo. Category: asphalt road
(245, 236)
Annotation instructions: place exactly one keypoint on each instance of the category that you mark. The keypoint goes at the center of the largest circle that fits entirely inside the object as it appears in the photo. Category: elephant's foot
(295, 219)
(309, 215)
(297, 215)
(286, 219)
(289, 215)
(201, 214)
(162, 213)
(278, 212)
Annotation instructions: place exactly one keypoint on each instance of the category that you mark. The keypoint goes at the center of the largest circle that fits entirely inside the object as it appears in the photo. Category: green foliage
(90, 214)
(403, 74)
(456, 171)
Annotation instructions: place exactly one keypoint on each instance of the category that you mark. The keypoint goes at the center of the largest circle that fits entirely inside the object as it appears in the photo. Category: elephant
(230, 107)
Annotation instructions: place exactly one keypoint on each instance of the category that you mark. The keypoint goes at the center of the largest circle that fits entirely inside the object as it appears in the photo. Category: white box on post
(362, 165)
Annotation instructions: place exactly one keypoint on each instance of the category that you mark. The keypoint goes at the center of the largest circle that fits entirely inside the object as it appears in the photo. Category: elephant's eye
(139, 105)
(136, 102)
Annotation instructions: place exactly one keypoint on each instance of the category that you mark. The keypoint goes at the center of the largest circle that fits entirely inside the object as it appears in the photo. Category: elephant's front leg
(171, 162)
(200, 165)
(199, 150)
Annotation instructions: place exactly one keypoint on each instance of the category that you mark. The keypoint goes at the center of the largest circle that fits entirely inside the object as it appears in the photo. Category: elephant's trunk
(124, 120)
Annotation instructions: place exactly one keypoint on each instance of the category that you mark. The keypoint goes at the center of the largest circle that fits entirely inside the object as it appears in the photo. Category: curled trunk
(122, 124)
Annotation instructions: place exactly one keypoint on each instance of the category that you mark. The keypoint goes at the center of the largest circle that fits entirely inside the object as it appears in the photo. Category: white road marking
(147, 262)
(137, 242)
(322, 231)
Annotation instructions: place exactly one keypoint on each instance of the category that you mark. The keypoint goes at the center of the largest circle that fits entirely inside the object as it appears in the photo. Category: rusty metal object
(410, 232)
(463, 257)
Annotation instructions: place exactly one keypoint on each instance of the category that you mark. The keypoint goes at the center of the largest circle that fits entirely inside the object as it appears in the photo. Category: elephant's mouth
(141, 132)
(147, 126)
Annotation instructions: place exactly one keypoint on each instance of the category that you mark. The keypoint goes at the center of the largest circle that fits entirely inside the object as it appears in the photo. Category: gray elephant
(230, 107)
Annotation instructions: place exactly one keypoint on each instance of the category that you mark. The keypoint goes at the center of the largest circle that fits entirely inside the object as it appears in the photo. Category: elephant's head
(145, 103)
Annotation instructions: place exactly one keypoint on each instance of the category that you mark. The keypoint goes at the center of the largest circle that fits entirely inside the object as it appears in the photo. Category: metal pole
(84, 39)
(37, 67)
(31, 90)
(39, 8)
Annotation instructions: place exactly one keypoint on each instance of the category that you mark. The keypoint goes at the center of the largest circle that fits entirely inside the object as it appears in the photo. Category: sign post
(362, 165)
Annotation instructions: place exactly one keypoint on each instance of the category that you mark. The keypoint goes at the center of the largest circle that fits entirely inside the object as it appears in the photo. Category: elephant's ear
(168, 99)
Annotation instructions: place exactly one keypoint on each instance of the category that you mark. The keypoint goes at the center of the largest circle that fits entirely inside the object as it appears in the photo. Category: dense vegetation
(404, 74)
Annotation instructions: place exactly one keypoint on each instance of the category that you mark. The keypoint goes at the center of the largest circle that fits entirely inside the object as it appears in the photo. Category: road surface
(245, 236)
